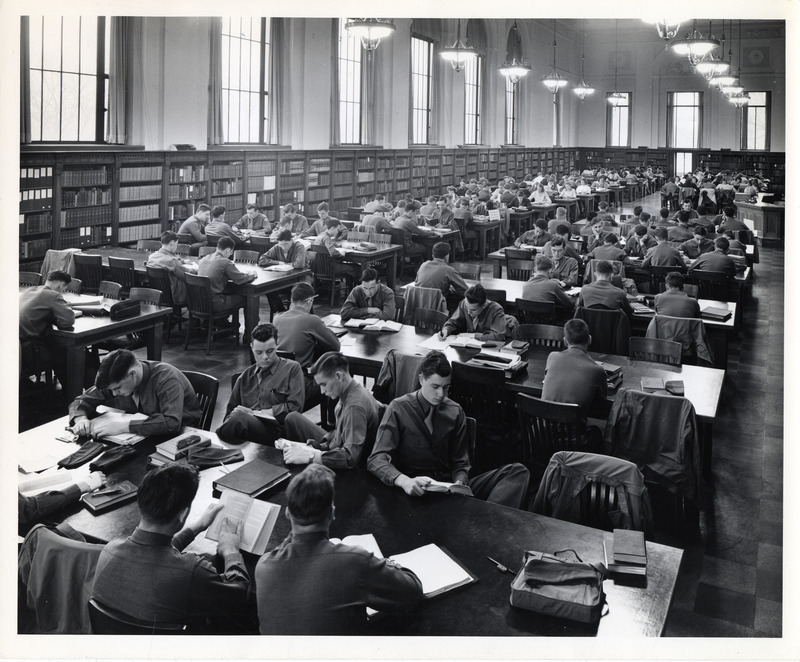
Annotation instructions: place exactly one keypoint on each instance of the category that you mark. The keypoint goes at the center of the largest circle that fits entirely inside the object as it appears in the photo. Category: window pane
(69, 106)
(36, 107)
(511, 112)
(89, 45)
(88, 95)
(52, 43)
(35, 41)
(51, 105)
(420, 81)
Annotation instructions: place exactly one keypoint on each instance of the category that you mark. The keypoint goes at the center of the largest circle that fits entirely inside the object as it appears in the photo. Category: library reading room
(401, 327)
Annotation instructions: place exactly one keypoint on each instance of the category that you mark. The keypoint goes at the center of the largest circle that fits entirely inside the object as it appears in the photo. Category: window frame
(265, 61)
(429, 75)
(103, 42)
(609, 120)
(746, 119)
(512, 138)
(360, 104)
(476, 67)
(671, 120)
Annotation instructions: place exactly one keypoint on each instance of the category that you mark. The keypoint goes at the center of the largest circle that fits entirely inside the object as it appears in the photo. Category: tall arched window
(473, 84)
(425, 37)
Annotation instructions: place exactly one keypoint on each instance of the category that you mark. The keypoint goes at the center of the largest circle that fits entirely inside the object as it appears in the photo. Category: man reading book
(423, 437)
(356, 420)
(272, 385)
(675, 302)
(370, 299)
(309, 585)
(148, 577)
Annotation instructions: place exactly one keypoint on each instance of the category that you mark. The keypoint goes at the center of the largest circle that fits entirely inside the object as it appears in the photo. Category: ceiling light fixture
(553, 81)
(458, 54)
(514, 66)
(582, 90)
(695, 45)
(370, 31)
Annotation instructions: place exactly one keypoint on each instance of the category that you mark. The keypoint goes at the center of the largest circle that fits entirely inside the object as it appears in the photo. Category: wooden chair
(206, 389)
(535, 312)
(122, 271)
(109, 290)
(159, 279)
(146, 295)
(657, 276)
(544, 335)
(399, 306)
(711, 284)
(149, 245)
(498, 296)
(519, 269)
(610, 329)
(427, 319)
(201, 309)
(382, 239)
(354, 235)
(467, 270)
(183, 249)
(326, 270)
(75, 286)
(29, 278)
(89, 268)
(205, 250)
(260, 244)
(105, 620)
(548, 427)
(655, 350)
(245, 257)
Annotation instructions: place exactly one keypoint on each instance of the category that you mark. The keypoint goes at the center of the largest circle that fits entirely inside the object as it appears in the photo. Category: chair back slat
(519, 269)
(158, 277)
(122, 271)
(146, 294)
(544, 335)
(548, 427)
(29, 278)
(198, 295)
(428, 319)
(245, 257)
(109, 290)
(89, 268)
(655, 350)
(535, 312)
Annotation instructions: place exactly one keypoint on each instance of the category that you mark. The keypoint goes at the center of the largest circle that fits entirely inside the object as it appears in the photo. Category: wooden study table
(388, 253)
(266, 281)
(571, 205)
(615, 195)
(588, 202)
(519, 220)
(543, 211)
(429, 239)
(468, 528)
(483, 228)
(768, 218)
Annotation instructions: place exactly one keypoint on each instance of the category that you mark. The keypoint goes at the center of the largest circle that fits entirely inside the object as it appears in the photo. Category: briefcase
(125, 309)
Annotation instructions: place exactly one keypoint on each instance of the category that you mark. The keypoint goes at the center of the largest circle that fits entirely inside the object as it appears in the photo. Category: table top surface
(90, 325)
(469, 528)
(366, 350)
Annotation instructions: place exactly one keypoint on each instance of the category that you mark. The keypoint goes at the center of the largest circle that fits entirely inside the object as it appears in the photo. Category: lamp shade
(617, 99)
(370, 31)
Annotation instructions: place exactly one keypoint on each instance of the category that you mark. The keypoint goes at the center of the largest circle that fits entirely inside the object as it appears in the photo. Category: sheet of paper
(435, 569)
(364, 541)
(347, 341)
(435, 342)
(43, 455)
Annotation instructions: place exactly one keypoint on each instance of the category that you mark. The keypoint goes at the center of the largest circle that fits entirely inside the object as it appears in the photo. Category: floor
(730, 583)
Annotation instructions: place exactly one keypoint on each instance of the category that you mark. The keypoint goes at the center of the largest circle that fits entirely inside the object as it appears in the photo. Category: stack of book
(715, 313)
(253, 478)
(613, 374)
(510, 363)
(625, 552)
(178, 447)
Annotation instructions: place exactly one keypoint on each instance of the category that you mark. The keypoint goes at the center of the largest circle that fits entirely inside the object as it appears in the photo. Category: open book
(373, 324)
(280, 267)
(258, 518)
(123, 438)
(364, 541)
(438, 571)
(448, 488)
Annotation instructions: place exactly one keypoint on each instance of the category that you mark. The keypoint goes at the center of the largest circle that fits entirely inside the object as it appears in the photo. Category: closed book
(518, 347)
(109, 497)
(629, 547)
(181, 445)
(611, 369)
(652, 384)
(614, 566)
(715, 313)
(253, 478)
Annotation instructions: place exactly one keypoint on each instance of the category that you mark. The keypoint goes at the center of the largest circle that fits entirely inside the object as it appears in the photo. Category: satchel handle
(569, 550)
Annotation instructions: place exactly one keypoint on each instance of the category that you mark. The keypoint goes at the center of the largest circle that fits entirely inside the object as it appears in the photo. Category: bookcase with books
(419, 174)
(138, 189)
(226, 185)
(186, 185)
(36, 201)
(318, 181)
(384, 174)
(402, 173)
(448, 173)
(365, 177)
(343, 182)
(85, 209)
(262, 183)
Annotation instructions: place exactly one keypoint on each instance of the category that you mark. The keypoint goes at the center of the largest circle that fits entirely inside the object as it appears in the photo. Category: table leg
(706, 442)
(76, 366)
(251, 303)
(391, 271)
(154, 336)
(482, 243)
(497, 269)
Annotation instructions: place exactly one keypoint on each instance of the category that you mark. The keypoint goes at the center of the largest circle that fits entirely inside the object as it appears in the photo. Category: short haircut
(217, 211)
(379, 196)
(285, 221)
(561, 212)
(637, 210)
(368, 275)
(441, 250)
(562, 229)
(309, 497)
(557, 241)
(250, 205)
(723, 243)
(683, 216)
(114, 368)
(699, 229)
(604, 267)
(168, 237)
(302, 291)
(435, 363)
(166, 491)
(475, 294)
(329, 363)
(59, 276)
(288, 208)
(203, 207)
(401, 204)
(675, 279)
(322, 206)
(644, 216)
(602, 205)
(663, 212)
(412, 205)
(591, 216)
(541, 224)
(729, 211)
(661, 234)
(640, 230)
(224, 243)
(542, 263)
(264, 332)
(332, 223)
(685, 200)
(285, 235)
(431, 198)
(611, 238)
(576, 332)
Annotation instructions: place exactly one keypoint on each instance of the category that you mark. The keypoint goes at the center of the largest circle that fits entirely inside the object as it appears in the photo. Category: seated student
(675, 302)
(565, 268)
(733, 242)
(288, 250)
(718, 260)
(541, 287)
(728, 220)
(328, 240)
(219, 228)
(639, 242)
(627, 227)
(476, 315)
(608, 250)
(356, 420)
(602, 291)
(40, 308)
(371, 207)
(509, 196)
(680, 232)
(31, 509)
(568, 192)
(706, 205)
(308, 585)
(370, 299)
(299, 222)
(663, 255)
(539, 196)
(305, 335)
(572, 376)
(438, 274)
(282, 225)
(399, 209)
(378, 220)
(167, 258)
(562, 233)
(252, 219)
(591, 220)
(445, 219)
(686, 206)
(423, 436)
(538, 236)
(583, 188)
(560, 219)
(272, 382)
(191, 231)
(148, 577)
(151, 387)
(219, 270)
(407, 224)
(698, 245)
(662, 221)
(429, 208)
(321, 224)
